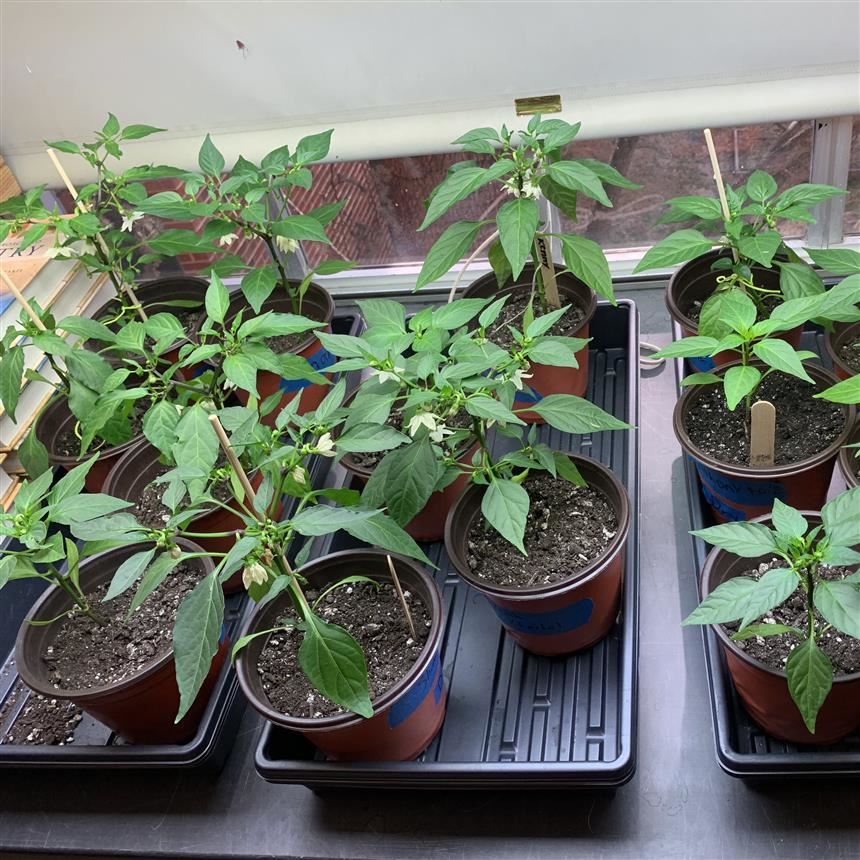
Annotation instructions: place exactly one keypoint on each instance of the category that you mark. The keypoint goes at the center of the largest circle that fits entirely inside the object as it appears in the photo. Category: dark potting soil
(804, 425)
(567, 528)
(42, 721)
(374, 618)
(512, 315)
(694, 310)
(850, 354)
(67, 444)
(281, 344)
(843, 651)
(86, 654)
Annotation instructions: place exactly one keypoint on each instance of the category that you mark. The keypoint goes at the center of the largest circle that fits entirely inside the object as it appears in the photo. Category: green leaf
(64, 146)
(459, 185)
(86, 507)
(839, 603)
(196, 635)
(171, 243)
(258, 284)
(761, 247)
(700, 379)
(781, 355)
(760, 186)
(607, 173)
(572, 414)
(410, 479)
(738, 311)
(72, 482)
(128, 573)
(739, 381)
(567, 469)
(382, 532)
(365, 438)
(577, 177)
(847, 391)
(32, 235)
(556, 351)
(153, 577)
(314, 147)
(677, 247)
(11, 374)
(334, 663)
(33, 455)
(748, 540)
(558, 195)
(724, 604)
(86, 328)
(806, 194)
(217, 299)
(689, 347)
(491, 409)
(810, 677)
(505, 506)
(241, 371)
(111, 126)
(751, 631)
(325, 519)
(450, 247)
(772, 589)
(457, 313)
(560, 135)
(841, 518)
(301, 227)
(210, 159)
(707, 208)
(383, 312)
(837, 261)
(137, 131)
(797, 280)
(159, 425)
(787, 521)
(588, 262)
(196, 449)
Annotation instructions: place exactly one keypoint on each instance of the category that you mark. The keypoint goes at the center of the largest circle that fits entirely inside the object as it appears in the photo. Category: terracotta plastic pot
(842, 334)
(407, 716)
(141, 708)
(140, 466)
(695, 281)
(565, 616)
(155, 297)
(849, 462)
(736, 492)
(316, 304)
(763, 690)
(546, 379)
(55, 419)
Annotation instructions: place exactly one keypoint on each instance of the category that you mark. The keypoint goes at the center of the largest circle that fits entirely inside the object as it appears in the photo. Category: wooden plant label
(547, 271)
(762, 427)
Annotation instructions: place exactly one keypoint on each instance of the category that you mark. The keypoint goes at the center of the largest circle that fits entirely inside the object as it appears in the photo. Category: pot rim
(591, 571)
(91, 693)
(846, 455)
(834, 339)
(61, 401)
(348, 719)
(737, 471)
(682, 274)
(568, 284)
(274, 302)
(714, 556)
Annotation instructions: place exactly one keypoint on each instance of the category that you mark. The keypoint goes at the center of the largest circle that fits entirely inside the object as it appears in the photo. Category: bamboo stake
(485, 244)
(718, 178)
(406, 611)
(83, 207)
(22, 301)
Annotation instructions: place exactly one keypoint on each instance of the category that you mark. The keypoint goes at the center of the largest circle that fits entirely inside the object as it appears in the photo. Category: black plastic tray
(516, 720)
(97, 746)
(743, 748)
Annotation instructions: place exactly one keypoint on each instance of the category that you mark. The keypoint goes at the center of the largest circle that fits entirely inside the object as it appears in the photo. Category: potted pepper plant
(735, 245)
(782, 595)
(737, 481)
(527, 165)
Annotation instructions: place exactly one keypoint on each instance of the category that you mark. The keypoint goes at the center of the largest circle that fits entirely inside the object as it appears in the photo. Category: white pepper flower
(385, 375)
(325, 446)
(129, 219)
(288, 246)
(299, 475)
(423, 419)
(518, 377)
(59, 253)
(227, 240)
(254, 573)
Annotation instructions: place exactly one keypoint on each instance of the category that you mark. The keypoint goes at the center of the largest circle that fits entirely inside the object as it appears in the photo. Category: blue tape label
(320, 360)
(547, 623)
(702, 365)
(527, 395)
(410, 701)
(759, 493)
(722, 507)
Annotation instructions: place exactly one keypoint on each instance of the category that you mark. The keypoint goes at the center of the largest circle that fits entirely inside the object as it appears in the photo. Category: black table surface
(679, 803)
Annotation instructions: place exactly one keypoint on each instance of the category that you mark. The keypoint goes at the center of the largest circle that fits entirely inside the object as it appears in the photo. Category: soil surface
(512, 315)
(567, 528)
(374, 618)
(42, 721)
(86, 654)
(694, 309)
(850, 354)
(804, 426)
(67, 444)
(842, 650)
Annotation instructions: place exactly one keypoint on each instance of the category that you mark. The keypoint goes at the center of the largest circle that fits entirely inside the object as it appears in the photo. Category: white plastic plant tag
(762, 428)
